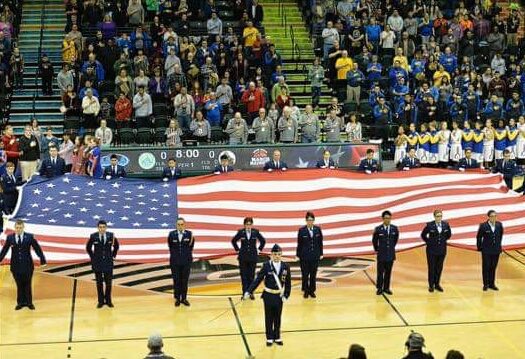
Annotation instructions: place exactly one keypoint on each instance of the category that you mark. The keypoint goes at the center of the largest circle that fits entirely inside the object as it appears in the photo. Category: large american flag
(62, 212)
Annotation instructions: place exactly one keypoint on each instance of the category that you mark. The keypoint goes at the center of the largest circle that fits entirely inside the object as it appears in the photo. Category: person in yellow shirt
(403, 61)
(343, 65)
(69, 51)
(249, 34)
(439, 75)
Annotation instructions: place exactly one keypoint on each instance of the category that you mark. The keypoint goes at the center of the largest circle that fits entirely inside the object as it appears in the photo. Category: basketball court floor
(66, 323)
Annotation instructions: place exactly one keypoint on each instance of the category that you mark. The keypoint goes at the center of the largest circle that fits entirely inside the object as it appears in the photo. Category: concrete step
(44, 116)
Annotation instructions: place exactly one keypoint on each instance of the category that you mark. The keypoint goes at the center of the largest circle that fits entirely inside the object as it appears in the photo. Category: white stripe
(344, 201)
(368, 182)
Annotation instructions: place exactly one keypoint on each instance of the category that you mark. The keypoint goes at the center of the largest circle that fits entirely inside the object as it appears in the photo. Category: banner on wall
(202, 159)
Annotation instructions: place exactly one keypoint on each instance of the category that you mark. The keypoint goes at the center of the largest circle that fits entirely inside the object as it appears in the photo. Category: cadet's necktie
(468, 162)
(223, 168)
(248, 234)
(19, 239)
(277, 164)
(104, 239)
(369, 162)
(411, 162)
(115, 170)
(53, 161)
(503, 164)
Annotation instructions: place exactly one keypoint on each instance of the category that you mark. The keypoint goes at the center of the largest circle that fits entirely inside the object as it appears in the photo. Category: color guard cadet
(10, 183)
(275, 163)
(22, 263)
(436, 234)
(224, 167)
(172, 172)
(114, 170)
(384, 240)
(248, 252)
(326, 161)
(507, 167)
(488, 240)
(369, 164)
(467, 162)
(181, 244)
(102, 248)
(277, 288)
(309, 252)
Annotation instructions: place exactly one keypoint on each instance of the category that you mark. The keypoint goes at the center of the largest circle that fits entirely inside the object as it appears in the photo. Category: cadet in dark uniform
(467, 162)
(276, 163)
(22, 263)
(102, 248)
(309, 252)
(277, 288)
(114, 170)
(172, 171)
(224, 167)
(489, 237)
(53, 165)
(369, 164)
(507, 167)
(436, 234)
(248, 252)
(9, 182)
(180, 243)
(384, 240)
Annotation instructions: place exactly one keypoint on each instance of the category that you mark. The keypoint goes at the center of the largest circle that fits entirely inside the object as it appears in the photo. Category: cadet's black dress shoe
(109, 304)
(388, 291)
(100, 305)
(269, 343)
(485, 288)
(439, 288)
(313, 295)
(493, 287)
(31, 306)
(305, 295)
(278, 342)
(185, 302)
(252, 297)
(18, 307)
(177, 303)
(379, 292)
(430, 289)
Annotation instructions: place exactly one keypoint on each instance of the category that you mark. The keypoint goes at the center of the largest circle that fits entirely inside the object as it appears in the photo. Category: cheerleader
(500, 139)
(456, 136)
(488, 143)
(444, 144)
(413, 137)
(434, 143)
(512, 136)
(423, 152)
(520, 141)
(468, 137)
(477, 142)
(401, 143)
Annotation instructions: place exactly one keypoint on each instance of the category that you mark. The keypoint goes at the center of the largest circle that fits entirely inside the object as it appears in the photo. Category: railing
(296, 51)
(38, 74)
(282, 15)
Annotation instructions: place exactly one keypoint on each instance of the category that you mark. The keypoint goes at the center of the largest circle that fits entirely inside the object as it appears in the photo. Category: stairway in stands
(296, 63)
(46, 108)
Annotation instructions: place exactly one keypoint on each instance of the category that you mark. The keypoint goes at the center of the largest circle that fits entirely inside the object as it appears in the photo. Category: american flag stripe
(347, 207)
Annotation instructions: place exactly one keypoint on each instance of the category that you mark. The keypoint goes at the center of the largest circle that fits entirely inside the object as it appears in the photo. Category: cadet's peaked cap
(276, 248)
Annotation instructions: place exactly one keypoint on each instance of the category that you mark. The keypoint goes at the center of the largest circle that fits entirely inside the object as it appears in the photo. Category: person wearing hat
(155, 344)
(224, 167)
(414, 344)
(309, 252)
(277, 288)
(248, 252)
(384, 240)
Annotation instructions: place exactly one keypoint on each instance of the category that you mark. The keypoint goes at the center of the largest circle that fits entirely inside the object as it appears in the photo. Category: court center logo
(147, 160)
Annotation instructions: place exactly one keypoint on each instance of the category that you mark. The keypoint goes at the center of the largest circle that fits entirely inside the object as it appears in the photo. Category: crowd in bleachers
(164, 72)
(11, 60)
(448, 74)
